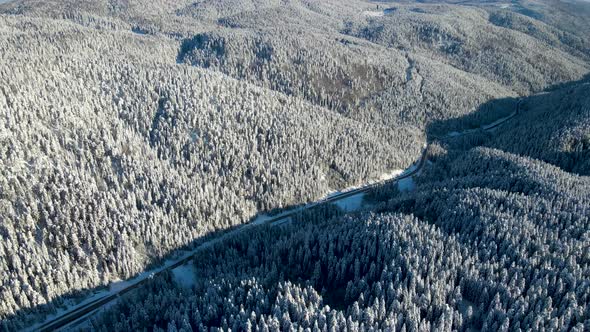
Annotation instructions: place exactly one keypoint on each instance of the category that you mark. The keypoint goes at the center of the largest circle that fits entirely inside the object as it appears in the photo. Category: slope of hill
(554, 127)
(470, 39)
(449, 255)
(132, 128)
(487, 240)
(113, 155)
(404, 72)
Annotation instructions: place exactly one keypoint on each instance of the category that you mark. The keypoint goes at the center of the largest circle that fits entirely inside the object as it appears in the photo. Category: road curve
(81, 312)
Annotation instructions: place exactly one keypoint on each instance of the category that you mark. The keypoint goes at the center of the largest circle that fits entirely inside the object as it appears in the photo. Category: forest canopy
(131, 129)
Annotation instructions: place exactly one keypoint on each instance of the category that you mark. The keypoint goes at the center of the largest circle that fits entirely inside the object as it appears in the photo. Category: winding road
(79, 313)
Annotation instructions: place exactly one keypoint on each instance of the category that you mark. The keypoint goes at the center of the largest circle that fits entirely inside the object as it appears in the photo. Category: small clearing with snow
(406, 184)
(352, 203)
(185, 275)
(390, 175)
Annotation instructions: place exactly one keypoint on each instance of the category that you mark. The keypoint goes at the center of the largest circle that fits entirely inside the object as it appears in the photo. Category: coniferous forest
(132, 129)
(488, 240)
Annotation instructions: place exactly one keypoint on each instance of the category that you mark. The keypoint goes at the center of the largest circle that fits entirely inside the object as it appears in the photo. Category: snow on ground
(70, 305)
(406, 184)
(371, 13)
(333, 193)
(383, 177)
(390, 175)
(119, 285)
(185, 275)
(263, 218)
(115, 287)
(484, 127)
(379, 13)
(84, 323)
(410, 169)
(504, 5)
(352, 203)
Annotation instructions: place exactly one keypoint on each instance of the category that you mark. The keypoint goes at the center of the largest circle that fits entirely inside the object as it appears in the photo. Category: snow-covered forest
(488, 240)
(449, 256)
(107, 164)
(130, 129)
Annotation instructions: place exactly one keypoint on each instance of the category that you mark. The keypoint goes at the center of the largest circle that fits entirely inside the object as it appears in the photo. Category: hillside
(111, 165)
(449, 255)
(486, 240)
(552, 126)
(556, 127)
(131, 129)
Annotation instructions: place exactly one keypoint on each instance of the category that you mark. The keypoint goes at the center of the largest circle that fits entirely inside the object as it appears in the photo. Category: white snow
(391, 175)
(118, 285)
(406, 184)
(70, 306)
(185, 275)
(122, 284)
(504, 5)
(263, 218)
(351, 203)
(333, 193)
(373, 13)
(484, 127)
(83, 323)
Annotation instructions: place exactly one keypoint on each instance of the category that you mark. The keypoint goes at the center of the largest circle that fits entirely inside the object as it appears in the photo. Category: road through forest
(77, 314)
